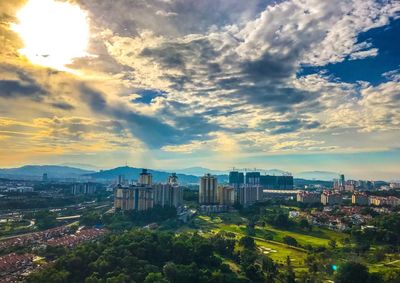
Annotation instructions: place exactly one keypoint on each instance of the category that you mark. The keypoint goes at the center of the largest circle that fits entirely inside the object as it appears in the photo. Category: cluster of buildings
(35, 238)
(284, 182)
(348, 216)
(341, 184)
(83, 188)
(244, 189)
(144, 195)
(336, 198)
(13, 266)
(11, 186)
(80, 236)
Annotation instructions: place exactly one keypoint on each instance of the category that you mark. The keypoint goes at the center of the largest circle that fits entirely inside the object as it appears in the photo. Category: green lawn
(316, 237)
(279, 252)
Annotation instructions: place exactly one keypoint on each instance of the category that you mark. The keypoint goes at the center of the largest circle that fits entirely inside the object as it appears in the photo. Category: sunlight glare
(54, 33)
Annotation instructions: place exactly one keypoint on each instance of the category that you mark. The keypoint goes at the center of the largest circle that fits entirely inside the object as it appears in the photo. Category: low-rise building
(308, 197)
(359, 199)
(331, 198)
(384, 201)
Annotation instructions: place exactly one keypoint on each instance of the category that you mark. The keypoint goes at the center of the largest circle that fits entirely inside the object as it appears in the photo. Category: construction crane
(263, 171)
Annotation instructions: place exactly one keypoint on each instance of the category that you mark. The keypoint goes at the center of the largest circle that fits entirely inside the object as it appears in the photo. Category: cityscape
(200, 141)
(44, 217)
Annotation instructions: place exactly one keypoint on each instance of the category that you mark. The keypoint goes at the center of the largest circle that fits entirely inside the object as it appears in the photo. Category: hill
(37, 171)
(318, 175)
(133, 173)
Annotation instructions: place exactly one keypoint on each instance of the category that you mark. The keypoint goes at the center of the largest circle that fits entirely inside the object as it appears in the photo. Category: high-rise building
(253, 178)
(341, 180)
(121, 180)
(83, 188)
(208, 189)
(138, 198)
(226, 195)
(270, 182)
(145, 178)
(45, 177)
(249, 194)
(236, 179)
(168, 195)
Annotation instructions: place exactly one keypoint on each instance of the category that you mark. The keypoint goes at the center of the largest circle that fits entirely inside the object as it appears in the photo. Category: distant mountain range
(37, 171)
(133, 173)
(186, 176)
(318, 175)
(200, 171)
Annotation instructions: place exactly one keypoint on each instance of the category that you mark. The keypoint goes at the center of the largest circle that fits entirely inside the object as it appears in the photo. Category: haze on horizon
(294, 85)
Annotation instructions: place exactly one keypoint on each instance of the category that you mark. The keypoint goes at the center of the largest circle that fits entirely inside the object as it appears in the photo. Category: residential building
(167, 195)
(308, 197)
(145, 178)
(284, 182)
(83, 188)
(236, 179)
(249, 194)
(226, 195)
(359, 199)
(133, 198)
(253, 178)
(208, 189)
(384, 201)
(331, 198)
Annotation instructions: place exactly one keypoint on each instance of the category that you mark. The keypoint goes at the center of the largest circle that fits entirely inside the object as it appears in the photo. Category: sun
(54, 33)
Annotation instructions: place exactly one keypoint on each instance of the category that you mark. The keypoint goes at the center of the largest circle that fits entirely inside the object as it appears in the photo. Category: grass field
(316, 237)
(270, 241)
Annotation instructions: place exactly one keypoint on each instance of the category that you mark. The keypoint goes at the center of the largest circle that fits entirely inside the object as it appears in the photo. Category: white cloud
(364, 54)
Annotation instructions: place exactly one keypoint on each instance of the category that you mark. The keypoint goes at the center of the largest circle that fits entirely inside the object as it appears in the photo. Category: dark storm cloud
(22, 86)
(63, 106)
(269, 67)
(179, 55)
(152, 131)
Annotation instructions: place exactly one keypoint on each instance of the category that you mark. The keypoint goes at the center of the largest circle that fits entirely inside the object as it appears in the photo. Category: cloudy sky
(297, 85)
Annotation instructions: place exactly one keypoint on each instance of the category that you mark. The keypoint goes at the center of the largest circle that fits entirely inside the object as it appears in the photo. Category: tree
(90, 218)
(303, 224)
(45, 219)
(289, 275)
(352, 272)
(247, 242)
(393, 276)
(290, 241)
(332, 243)
(270, 268)
(155, 278)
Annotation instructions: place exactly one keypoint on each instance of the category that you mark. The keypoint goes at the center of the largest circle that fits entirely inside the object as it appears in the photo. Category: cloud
(364, 54)
(210, 76)
(154, 132)
(19, 84)
(288, 126)
(393, 75)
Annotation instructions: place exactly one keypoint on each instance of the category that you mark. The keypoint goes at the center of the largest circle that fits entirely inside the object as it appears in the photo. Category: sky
(297, 85)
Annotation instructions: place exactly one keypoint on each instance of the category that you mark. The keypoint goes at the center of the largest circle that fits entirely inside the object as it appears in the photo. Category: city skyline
(293, 85)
